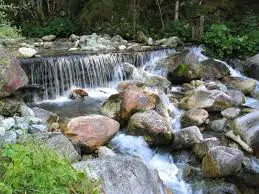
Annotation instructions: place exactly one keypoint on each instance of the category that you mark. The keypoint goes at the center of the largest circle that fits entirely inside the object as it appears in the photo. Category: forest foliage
(155, 18)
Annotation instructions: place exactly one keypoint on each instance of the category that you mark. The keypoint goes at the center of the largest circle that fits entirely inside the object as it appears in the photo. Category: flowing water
(100, 74)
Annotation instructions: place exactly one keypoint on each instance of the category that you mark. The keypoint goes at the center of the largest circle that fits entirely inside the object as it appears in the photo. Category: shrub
(59, 26)
(7, 31)
(221, 42)
(34, 168)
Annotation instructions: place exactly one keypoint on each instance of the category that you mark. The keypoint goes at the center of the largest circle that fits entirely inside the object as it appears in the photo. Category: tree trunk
(161, 15)
(176, 15)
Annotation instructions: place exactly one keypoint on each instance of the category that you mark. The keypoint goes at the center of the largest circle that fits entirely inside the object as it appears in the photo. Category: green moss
(183, 70)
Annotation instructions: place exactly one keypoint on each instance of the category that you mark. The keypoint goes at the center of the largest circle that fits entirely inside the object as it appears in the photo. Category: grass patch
(35, 168)
(7, 31)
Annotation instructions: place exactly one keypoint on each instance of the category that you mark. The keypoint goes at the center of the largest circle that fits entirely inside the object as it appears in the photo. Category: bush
(7, 31)
(223, 44)
(176, 28)
(62, 27)
(34, 168)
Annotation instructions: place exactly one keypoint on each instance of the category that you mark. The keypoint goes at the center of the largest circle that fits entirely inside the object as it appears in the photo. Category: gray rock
(201, 148)
(2, 131)
(221, 161)
(111, 108)
(57, 142)
(7, 124)
(194, 117)
(38, 128)
(9, 137)
(21, 123)
(45, 115)
(19, 133)
(48, 38)
(74, 37)
(123, 174)
(187, 137)
(247, 127)
(27, 52)
(105, 152)
(26, 111)
(230, 113)
(218, 125)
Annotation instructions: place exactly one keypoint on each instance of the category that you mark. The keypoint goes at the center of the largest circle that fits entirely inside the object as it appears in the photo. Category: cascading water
(59, 74)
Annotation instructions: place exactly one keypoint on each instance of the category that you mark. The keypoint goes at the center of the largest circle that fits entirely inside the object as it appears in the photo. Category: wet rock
(129, 70)
(93, 131)
(122, 47)
(45, 115)
(27, 52)
(221, 161)
(152, 126)
(57, 142)
(218, 125)
(12, 78)
(26, 111)
(105, 152)
(158, 82)
(194, 117)
(212, 100)
(111, 108)
(216, 86)
(230, 113)
(247, 127)
(187, 137)
(201, 148)
(48, 38)
(247, 86)
(123, 174)
(214, 70)
(9, 137)
(252, 70)
(78, 94)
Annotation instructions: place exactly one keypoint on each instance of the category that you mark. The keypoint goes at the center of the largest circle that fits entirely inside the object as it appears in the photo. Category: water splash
(161, 161)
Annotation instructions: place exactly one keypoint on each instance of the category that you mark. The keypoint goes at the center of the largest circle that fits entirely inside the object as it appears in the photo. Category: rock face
(12, 78)
(27, 52)
(221, 161)
(230, 113)
(201, 148)
(247, 86)
(123, 174)
(248, 128)
(212, 100)
(187, 137)
(93, 131)
(152, 126)
(194, 117)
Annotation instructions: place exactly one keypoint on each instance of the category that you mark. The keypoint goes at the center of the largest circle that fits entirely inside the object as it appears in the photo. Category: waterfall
(57, 75)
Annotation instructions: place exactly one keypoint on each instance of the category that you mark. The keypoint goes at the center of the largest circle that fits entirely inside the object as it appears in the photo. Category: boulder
(27, 52)
(135, 99)
(48, 38)
(141, 38)
(218, 125)
(129, 70)
(155, 128)
(123, 174)
(212, 100)
(230, 113)
(26, 111)
(45, 115)
(7, 124)
(78, 94)
(221, 161)
(201, 148)
(158, 82)
(105, 152)
(47, 45)
(13, 77)
(57, 142)
(171, 42)
(247, 86)
(91, 132)
(187, 137)
(112, 107)
(194, 117)
(247, 127)
(252, 69)
(10, 137)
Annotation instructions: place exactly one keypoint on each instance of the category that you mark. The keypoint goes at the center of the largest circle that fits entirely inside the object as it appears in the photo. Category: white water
(162, 162)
